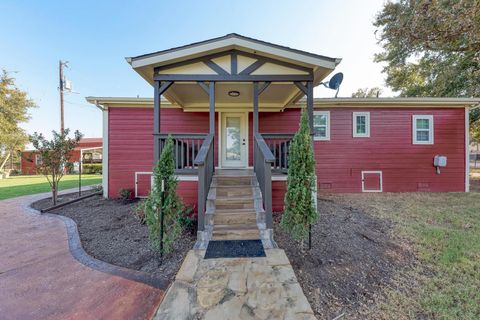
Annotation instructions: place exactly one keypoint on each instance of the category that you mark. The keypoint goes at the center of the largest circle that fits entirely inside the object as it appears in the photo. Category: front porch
(234, 80)
(234, 145)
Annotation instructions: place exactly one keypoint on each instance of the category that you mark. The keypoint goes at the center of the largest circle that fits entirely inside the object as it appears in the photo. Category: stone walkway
(40, 279)
(239, 288)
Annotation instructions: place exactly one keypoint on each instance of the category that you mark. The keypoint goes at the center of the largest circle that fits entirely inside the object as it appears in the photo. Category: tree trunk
(5, 161)
(54, 193)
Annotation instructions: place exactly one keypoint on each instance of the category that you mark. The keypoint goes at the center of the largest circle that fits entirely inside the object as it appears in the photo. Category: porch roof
(146, 63)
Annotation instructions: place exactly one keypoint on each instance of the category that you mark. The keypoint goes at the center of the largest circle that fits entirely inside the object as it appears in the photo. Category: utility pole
(61, 64)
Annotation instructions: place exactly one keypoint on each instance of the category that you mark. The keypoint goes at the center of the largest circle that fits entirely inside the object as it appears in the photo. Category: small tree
(300, 211)
(14, 107)
(172, 206)
(54, 156)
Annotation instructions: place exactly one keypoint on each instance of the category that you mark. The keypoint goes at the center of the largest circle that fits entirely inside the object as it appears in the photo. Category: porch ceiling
(191, 97)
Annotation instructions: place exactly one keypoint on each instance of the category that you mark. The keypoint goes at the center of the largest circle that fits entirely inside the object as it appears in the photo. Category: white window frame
(372, 172)
(327, 130)
(416, 117)
(367, 125)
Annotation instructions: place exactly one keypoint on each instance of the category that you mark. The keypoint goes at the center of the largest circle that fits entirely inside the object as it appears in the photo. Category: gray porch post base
(266, 231)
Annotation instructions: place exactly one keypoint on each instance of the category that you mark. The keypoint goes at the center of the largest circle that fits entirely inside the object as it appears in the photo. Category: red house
(233, 103)
(90, 149)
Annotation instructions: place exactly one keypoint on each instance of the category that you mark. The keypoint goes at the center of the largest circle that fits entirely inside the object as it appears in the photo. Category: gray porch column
(158, 90)
(211, 95)
(255, 107)
(156, 122)
(310, 105)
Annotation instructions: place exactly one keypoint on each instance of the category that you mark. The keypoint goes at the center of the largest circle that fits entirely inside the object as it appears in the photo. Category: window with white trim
(361, 124)
(321, 125)
(422, 129)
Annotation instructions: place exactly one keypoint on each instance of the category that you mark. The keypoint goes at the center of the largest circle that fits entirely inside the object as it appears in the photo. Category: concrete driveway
(41, 279)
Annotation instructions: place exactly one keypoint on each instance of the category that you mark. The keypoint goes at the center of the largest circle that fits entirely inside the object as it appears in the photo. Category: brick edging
(77, 251)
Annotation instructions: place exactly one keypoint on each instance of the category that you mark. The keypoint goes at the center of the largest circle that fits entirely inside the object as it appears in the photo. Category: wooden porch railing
(263, 160)
(279, 145)
(186, 147)
(204, 161)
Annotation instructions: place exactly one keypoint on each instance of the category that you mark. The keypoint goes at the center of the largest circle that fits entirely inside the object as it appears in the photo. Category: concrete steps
(235, 217)
(235, 210)
(236, 232)
(233, 203)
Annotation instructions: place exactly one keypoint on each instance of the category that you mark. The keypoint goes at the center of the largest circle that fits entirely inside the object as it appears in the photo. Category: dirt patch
(110, 232)
(353, 257)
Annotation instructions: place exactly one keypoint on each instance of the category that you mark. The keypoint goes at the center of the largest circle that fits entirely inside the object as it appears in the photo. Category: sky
(96, 36)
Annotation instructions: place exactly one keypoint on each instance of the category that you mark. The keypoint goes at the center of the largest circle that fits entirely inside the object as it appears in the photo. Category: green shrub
(139, 211)
(92, 168)
(125, 195)
(300, 211)
(15, 172)
(172, 206)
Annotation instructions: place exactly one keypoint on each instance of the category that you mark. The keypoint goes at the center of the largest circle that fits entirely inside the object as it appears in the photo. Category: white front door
(234, 140)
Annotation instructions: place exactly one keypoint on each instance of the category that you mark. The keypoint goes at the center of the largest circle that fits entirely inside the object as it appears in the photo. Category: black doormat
(235, 249)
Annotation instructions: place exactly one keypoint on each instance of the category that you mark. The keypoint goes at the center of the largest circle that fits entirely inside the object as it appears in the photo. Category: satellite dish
(334, 82)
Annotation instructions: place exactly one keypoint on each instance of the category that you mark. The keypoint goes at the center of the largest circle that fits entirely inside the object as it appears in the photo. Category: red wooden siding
(131, 145)
(405, 167)
(28, 163)
(278, 195)
(187, 190)
(340, 161)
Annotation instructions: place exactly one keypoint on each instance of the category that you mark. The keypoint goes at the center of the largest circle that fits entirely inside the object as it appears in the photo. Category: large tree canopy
(374, 92)
(14, 106)
(431, 47)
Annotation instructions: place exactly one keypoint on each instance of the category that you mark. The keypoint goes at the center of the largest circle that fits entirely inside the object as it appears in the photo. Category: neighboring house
(223, 98)
(90, 149)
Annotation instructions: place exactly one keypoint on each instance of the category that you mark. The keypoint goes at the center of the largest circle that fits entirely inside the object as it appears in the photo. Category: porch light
(234, 93)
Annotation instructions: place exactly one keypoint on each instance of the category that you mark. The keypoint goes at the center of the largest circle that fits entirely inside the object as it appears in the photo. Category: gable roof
(144, 64)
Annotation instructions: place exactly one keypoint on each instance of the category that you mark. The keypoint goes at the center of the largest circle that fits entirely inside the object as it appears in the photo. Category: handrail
(277, 135)
(206, 166)
(267, 154)
(262, 164)
(202, 153)
(182, 135)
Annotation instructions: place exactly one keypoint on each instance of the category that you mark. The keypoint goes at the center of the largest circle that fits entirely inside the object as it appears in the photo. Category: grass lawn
(443, 230)
(24, 185)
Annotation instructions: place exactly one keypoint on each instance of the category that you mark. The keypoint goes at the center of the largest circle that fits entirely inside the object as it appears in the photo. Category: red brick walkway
(40, 279)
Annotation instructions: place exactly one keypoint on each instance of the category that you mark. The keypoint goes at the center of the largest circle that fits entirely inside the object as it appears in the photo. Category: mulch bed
(109, 231)
(353, 257)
